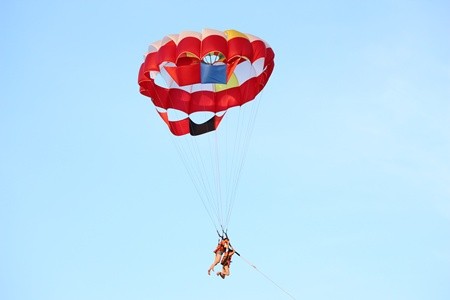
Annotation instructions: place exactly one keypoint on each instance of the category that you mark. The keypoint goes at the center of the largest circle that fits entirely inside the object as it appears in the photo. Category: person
(226, 261)
(221, 248)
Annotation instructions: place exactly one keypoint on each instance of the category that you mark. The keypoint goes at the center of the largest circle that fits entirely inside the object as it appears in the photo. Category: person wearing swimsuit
(221, 248)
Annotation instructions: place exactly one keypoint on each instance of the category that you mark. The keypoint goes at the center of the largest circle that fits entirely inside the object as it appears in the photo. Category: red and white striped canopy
(210, 71)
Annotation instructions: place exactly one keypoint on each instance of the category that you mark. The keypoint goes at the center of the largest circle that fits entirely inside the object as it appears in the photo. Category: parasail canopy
(198, 81)
(210, 71)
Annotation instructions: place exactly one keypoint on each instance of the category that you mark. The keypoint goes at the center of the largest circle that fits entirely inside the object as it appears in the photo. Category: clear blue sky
(346, 189)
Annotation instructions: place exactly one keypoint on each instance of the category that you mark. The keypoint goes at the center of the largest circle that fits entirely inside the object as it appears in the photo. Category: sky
(345, 192)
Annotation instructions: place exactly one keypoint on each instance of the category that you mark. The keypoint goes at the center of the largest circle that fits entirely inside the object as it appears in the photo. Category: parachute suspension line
(188, 150)
(243, 136)
(267, 277)
(235, 152)
(195, 177)
(208, 153)
(218, 178)
(201, 166)
(241, 140)
(223, 131)
(206, 164)
(211, 172)
(236, 136)
(205, 161)
(197, 181)
(235, 139)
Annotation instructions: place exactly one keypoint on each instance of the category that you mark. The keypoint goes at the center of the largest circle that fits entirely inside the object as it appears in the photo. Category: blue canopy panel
(213, 73)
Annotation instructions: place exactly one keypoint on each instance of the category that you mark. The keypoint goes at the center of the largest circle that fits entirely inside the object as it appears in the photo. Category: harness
(220, 247)
(226, 259)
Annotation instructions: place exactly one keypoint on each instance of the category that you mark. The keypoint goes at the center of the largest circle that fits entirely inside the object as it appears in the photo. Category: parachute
(198, 81)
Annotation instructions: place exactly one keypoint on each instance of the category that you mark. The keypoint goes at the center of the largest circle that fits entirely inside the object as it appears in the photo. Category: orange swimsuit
(226, 259)
(221, 247)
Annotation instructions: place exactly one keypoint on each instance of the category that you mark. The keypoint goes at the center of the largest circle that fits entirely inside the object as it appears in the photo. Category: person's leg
(222, 273)
(215, 262)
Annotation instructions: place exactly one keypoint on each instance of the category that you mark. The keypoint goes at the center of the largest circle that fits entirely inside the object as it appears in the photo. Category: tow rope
(265, 275)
